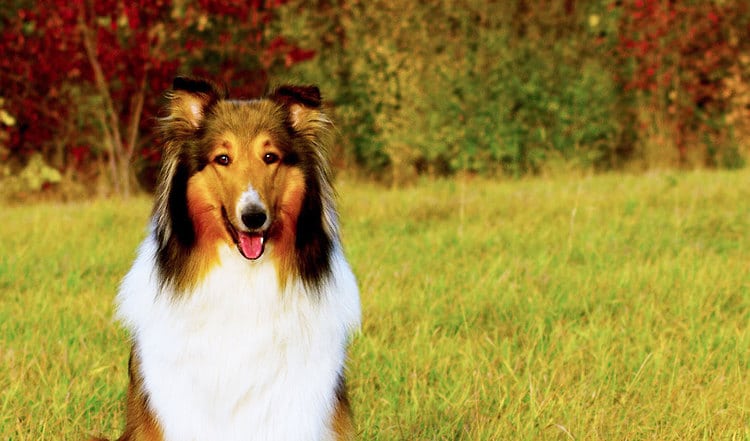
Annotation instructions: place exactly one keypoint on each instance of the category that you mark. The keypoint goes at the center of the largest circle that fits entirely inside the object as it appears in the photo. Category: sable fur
(186, 152)
(192, 282)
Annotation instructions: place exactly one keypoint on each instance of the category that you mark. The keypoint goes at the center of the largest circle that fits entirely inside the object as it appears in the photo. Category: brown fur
(199, 126)
(245, 133)
(279, 185)
(140, 424)
(342, 423)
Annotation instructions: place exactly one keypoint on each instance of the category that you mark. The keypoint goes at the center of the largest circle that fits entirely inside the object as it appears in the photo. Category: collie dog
(240, 302)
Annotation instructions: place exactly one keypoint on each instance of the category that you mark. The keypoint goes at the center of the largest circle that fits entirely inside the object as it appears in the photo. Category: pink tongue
(251, 245)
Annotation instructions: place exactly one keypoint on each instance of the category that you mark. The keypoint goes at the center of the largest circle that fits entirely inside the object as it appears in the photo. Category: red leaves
(297, 55)
(668, 36)
(132, 14)
(35, 60)
(713, 18)
(80, 153)
(47, 78)
(679, 50)
(277, 44)
(291, 54)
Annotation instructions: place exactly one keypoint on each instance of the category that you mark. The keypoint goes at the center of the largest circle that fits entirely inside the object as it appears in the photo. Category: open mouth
(250, 243)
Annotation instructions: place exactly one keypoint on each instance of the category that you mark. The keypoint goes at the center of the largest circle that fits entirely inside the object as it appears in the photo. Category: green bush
(449, 87)
(32, 178)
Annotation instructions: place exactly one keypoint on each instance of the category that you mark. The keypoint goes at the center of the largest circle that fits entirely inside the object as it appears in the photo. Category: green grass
(613, 307)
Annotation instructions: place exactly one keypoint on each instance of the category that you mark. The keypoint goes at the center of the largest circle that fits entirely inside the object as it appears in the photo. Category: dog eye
(222, 159)
(270, 158)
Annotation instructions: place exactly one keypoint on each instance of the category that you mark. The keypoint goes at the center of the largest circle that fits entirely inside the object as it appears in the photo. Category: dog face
(242, 173)
(249, 175)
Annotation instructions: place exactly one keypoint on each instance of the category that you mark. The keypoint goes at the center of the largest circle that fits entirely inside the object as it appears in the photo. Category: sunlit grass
(600, 308)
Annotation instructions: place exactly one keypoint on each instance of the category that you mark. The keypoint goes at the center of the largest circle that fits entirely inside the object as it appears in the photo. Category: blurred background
(421, 88)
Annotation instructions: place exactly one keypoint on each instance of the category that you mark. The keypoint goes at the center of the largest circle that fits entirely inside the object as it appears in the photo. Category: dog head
(250, 173)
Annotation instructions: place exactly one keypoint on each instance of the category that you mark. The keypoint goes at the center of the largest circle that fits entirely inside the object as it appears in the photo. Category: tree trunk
(136, 109)
(119, 160)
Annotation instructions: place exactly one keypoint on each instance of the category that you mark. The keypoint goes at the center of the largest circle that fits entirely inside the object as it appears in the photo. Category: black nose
(254, 218)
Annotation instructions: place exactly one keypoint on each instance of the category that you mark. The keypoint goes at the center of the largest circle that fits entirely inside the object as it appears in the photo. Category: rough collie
(240, 302)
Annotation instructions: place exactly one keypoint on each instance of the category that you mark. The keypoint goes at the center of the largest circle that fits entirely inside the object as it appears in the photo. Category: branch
(135, 116)
(100, 80)
(111, 150)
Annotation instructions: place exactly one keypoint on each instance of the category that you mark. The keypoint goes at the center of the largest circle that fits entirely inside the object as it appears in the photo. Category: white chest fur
(237, 359)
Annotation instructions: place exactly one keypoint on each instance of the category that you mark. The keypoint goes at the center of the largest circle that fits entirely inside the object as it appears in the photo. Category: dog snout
(254, 217)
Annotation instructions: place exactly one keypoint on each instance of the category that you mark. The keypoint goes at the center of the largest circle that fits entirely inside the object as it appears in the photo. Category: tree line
(426, 87)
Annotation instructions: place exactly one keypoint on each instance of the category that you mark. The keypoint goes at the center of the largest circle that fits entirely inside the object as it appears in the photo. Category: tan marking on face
(280, 187)
(292, 192)
(246, 169)
(205, 213)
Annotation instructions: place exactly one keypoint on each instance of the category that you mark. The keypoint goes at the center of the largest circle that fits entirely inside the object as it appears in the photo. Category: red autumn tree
(679, 54)
(85, 78)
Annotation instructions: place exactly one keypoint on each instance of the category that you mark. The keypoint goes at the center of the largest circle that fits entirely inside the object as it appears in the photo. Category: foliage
(35, 176)
(687, 62)
(510, 87)
(606, 308)
(107, 63)
(443, 87)
(473, 86)
(6, 120)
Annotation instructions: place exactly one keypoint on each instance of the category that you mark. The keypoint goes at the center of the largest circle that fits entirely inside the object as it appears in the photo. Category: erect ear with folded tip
(188, 101)
(302, 102)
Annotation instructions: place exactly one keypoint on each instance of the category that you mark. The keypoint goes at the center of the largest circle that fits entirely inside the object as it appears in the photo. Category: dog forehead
(247, 119)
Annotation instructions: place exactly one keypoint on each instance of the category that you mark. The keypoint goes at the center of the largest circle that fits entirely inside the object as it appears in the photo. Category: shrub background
(437, 88)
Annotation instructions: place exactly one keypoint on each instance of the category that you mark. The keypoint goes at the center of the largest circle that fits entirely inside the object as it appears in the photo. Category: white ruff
(236, 358)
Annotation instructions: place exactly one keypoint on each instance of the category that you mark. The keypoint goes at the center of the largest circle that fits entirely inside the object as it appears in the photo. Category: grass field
(612, 307)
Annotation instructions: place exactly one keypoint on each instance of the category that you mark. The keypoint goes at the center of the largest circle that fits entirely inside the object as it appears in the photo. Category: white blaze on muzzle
(254, 221)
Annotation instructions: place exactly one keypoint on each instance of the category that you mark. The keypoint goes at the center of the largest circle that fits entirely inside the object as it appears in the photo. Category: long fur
(240, 330)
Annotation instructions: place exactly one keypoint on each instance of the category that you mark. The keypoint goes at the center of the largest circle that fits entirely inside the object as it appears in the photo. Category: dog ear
(313, 138)
(188, 101)
(187, 104)
(302, 102)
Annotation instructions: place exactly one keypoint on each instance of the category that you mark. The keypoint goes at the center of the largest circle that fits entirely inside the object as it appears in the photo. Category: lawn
(612, 307)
